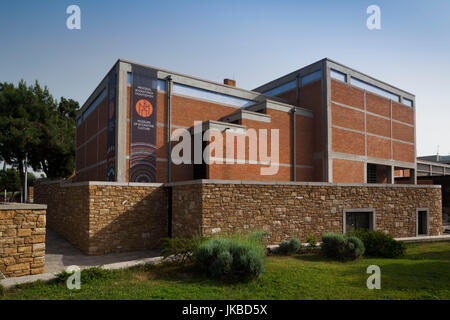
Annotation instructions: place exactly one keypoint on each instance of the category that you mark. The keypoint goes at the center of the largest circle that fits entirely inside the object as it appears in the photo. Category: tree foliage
(9, 180)
(34, 124)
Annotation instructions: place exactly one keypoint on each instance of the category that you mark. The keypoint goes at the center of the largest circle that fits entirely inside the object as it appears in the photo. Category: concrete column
(121, 122)
(412, 176)
(365, 172)
(390, 174)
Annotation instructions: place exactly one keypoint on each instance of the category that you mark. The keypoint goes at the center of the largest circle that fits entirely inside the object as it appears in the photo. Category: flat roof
(292, 75)
(209, 85)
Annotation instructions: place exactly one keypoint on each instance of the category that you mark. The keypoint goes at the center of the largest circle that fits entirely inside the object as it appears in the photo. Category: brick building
(335, 125)
(342, 137)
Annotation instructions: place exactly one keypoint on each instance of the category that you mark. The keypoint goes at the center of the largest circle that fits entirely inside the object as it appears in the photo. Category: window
(338, 75)
(293, 84)
(129, 78)
(371, 173)
(218, 97)
(311, 77)
(283, 88)
(422, 222)
(374, 89)
(161, 85)
(407, 102)
(357, 219)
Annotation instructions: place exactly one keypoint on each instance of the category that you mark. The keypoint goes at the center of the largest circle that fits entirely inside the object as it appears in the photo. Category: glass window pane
(407, 102)
(338, 75)
(311, 77)
(185, 90)
(374, 89)
(283, 88)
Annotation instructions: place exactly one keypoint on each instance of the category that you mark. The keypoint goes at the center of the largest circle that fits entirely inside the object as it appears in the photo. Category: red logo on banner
(144, 108)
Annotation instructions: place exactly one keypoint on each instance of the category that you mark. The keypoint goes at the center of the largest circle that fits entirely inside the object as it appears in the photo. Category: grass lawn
(423, 273)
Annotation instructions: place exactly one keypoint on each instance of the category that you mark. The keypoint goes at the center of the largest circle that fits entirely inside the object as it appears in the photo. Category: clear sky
(250, 41)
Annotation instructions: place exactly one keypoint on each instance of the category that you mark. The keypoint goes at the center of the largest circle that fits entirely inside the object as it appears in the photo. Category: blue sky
(250, 41)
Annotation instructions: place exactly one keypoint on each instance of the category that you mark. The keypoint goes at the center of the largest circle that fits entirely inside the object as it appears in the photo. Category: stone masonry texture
(285, 211)
(100, 219)
(22, 240)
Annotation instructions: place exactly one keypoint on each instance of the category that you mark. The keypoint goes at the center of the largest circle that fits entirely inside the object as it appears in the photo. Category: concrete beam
(121, 121)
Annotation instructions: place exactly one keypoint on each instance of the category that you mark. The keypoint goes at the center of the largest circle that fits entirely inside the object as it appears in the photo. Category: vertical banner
(111, 132)
(143, 125)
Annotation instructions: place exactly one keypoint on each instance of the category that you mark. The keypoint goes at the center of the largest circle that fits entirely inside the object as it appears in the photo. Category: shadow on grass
(424, 280)
(432, 255)
(312, 257)
(188, 273)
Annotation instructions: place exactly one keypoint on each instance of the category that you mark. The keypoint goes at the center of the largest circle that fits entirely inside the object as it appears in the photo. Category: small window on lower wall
(357, 219)
(422, 222)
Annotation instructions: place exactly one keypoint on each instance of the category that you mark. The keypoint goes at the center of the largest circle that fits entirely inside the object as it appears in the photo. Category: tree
(57, 150)
(9, 180)
(33, 124)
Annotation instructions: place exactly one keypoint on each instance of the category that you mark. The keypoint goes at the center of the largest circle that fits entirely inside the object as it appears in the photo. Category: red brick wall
(91, 145)
(378, 147)
(402, 132)
(374, 120)
(403, 152)
(348, 171)
(378, 126)
(347, 142)
(310, 97)
(347, 118)
(346, 94)
(402, 113)
(378, 105)
(185, 111)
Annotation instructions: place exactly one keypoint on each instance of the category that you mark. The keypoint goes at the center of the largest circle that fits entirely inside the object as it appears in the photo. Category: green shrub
(2, 290)
(232, 256)
(341, 247)
(311, 240)
(290, 247)
(180, 248)
(380, 244)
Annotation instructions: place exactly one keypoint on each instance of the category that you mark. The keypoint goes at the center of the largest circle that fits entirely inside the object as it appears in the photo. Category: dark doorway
(422, 223)
(200, 170)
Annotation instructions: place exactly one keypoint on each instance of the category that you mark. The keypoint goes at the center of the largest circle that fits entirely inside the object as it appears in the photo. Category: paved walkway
(59, 254)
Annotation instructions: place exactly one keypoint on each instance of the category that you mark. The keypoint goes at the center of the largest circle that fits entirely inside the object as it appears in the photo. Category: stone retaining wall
(22, 239)
(287, 210)
(67, 211)
(103, 217)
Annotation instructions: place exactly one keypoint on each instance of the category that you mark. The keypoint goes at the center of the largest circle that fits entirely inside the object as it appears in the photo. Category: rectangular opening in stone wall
(357, 219)
(422, 222)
